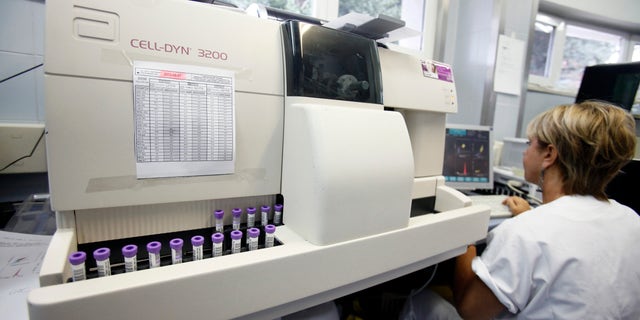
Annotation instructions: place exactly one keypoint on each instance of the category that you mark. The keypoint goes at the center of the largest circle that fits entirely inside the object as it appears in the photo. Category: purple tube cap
(154, 246)
(253, 232)
(265, 208)
(218, 214)
(129, 250)
(236, 234)
(176, 243)
(251, 210)
(278, 207)
(269, 228)
(197, 240)
(102, 254)
(236, 212)
(217, 237)
(77, 258)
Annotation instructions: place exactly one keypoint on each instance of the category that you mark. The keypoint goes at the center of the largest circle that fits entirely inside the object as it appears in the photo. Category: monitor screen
(615, 83)
(468, 159)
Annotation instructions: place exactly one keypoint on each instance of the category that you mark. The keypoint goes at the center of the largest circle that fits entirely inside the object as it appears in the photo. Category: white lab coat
(573, 258)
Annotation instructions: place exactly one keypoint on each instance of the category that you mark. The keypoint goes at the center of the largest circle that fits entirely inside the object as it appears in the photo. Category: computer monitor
(615, 83)
(622, 189)
(511, 155)
(468, 157)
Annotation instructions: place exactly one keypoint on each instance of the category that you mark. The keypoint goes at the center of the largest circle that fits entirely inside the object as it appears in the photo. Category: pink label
(436, 70)
(173, 75)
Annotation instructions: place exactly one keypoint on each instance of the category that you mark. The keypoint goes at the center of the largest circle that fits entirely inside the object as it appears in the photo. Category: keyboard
(498, 210)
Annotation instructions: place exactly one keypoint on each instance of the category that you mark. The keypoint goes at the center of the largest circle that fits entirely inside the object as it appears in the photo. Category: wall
(21, 48)
(471, 44)
(21, 99)
(470, 48)
(537, 102)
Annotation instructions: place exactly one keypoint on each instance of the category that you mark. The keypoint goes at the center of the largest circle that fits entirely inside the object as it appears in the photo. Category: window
(586, 47)
(410, 11)
(635, 55)
(541, 53)
(296, 6)
(562, 49)
(548, 38)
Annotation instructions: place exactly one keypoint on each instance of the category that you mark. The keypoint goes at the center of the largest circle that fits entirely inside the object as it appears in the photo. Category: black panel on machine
(331, 64)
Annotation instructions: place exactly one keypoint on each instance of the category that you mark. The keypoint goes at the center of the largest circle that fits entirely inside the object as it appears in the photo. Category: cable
(27, 156)
(433, 274)
(515, 185)
(21, 72)
(411, 315)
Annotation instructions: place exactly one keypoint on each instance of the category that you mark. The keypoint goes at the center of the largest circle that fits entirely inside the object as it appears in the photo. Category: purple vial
(176, 250)
(217, 239)
(77, 260)
(102, 261)
(236, 238)
(130, 253)
(196, 243)
(153, 248)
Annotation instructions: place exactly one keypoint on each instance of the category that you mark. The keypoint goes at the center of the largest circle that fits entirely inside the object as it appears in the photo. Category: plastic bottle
(176, 250)
(236, 238)
(197, 242)
(251, 217)
(130, 252)
(219, 217)
(218, 240)
(277, 214)
(102, 261)
(264, 215)
(269, 235)
(237, 215)
(77, 260)
(252, 238)
(153, 248)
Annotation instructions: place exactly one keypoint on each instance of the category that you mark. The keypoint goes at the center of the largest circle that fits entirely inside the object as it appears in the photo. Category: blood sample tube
(269, 235)
(197, 242)
(251, 217)
(264, 213)
(236, 238)
(277, 215)
(77, 260)
(219, 215)
(252, 238)
(130, 252)
(102, 261)
(237, 214)
(217, 239)
(176, 250)
(153, 248)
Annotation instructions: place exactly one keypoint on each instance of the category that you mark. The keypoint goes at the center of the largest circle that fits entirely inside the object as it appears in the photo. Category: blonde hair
(594, 141)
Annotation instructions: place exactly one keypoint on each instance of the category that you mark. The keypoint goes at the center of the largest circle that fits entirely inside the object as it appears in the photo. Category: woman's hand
(516, 205)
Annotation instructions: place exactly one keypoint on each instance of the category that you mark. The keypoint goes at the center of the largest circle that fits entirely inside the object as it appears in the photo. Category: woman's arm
(472, 297)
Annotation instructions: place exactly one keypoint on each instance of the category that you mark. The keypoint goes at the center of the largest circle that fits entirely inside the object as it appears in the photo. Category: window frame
(634, 40)
(548, 84)
(556, 52)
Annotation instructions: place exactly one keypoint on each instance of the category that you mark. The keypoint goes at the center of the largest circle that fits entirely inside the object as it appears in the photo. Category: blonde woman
(575, 256)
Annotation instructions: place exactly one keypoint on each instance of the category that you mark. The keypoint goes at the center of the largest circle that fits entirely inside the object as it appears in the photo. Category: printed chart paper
(184, 120)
